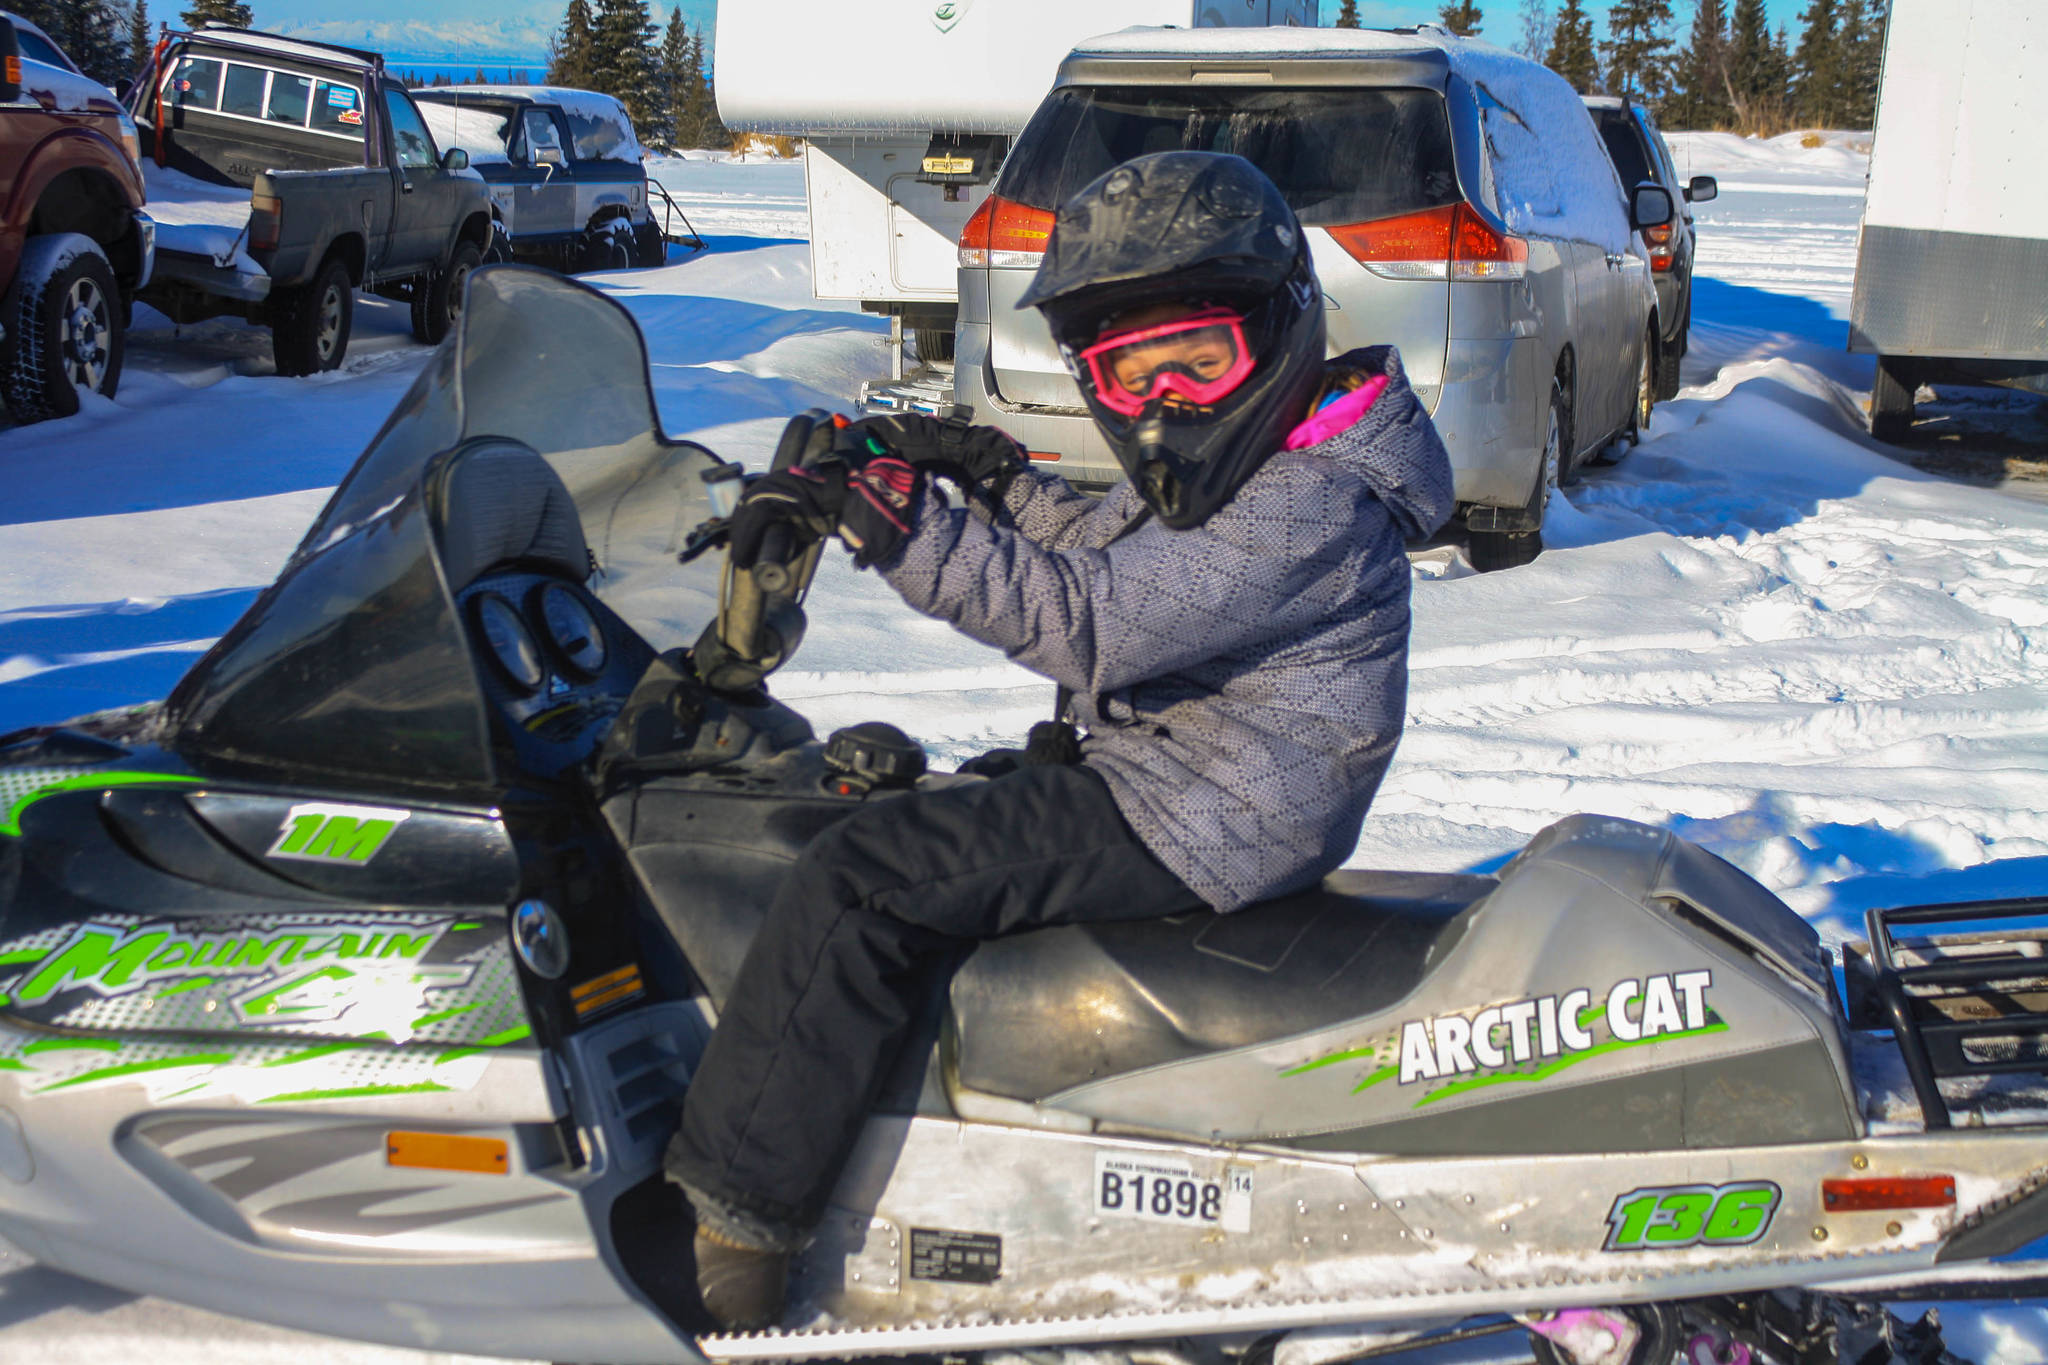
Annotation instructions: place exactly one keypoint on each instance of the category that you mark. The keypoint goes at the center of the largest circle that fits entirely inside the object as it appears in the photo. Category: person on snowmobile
(1231, 623)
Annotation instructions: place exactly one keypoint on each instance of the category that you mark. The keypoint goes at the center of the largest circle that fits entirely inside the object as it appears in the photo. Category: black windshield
(355, 662)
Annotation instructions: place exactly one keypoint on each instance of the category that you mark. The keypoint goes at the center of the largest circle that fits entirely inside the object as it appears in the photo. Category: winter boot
(742, 1287)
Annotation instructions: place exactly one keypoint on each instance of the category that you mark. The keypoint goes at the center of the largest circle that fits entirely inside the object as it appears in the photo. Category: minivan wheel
(1491, 550)
(1668, 355)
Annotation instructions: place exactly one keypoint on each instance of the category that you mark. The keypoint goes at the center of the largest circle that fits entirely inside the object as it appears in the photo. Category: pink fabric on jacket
(1341, 415)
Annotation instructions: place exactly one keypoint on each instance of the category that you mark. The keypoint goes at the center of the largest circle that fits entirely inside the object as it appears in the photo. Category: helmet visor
(1202, 357)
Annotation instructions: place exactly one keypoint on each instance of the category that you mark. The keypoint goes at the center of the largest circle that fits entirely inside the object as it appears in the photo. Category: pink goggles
(1201, 357)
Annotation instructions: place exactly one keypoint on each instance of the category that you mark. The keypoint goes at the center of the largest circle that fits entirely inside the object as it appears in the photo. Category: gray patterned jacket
(1245, 681)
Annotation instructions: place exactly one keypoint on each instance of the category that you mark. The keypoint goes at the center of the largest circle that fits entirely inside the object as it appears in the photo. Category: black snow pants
(835, 979)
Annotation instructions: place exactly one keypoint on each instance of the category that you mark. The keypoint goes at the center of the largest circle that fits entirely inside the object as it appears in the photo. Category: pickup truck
(346, 190)
(568, 183)
(75, 243)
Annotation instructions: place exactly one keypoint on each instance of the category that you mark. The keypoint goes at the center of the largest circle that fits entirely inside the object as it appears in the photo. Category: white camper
(1952, 264)
(907, 108)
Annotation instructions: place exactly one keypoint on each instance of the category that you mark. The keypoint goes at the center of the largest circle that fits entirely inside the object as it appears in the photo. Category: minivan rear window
(1625, 148)
(1345, 155)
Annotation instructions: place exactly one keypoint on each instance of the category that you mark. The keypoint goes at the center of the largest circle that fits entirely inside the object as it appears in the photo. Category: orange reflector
(14, 71)
(1888, 1192)
(447, 1152)
(1044, 456)
(608, 989)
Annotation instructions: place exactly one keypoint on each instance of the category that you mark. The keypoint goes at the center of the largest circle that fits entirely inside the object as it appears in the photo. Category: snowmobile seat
(1055, 1008)
(498, 502)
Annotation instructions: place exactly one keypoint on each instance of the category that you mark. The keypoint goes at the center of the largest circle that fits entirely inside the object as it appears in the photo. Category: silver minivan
(1459, 205)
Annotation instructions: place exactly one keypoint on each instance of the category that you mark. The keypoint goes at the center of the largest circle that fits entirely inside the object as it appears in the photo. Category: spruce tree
(1637, 48)
(1818, 67)
(1751, 70)
(1571, 48)
(217, 12)
(1536, 26)
(88, 31)
(1461, 18)
(1347, 14)
(1863, 52)
(1703, 73)
(623, 59)
(140, 40)
(702, 106)
(672, 72)
(570, 59)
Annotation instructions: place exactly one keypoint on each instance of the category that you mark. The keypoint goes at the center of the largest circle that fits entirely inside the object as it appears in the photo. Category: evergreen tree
(677, 76)
(1461, 17)
(217, 12)
(623, 59)
(1702, 78)
(1347, 14)
(88, 31)
(702, 106)
(140, 39)
(1753, 85)
(570, 59)
(1536, 26)
(1637, 48)
(1818, 67)
(1571, 48)
(1863, 49)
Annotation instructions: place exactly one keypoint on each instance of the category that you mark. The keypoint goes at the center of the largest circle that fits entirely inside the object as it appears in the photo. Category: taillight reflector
(1658, 239)
(447, 1152)
(1452, 243)
(14, 71)
(1866, 1193)
(1043, 456)
(1003, 232)
(266, 221)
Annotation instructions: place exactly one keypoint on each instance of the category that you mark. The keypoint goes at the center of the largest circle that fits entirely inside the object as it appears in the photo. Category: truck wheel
(309, 327)
(1891, 399)
(607, 246)
(438, 302)
(499, 250)
(1491, 550)
(65, 335)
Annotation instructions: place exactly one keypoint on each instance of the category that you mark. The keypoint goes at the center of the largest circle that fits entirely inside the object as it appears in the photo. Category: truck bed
(198, 218)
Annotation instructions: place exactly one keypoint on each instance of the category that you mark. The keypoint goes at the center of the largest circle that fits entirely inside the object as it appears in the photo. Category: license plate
(949, 165)
(1168, 1190)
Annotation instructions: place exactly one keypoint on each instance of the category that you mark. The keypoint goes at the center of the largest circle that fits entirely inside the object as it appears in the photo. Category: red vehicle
(75, 244)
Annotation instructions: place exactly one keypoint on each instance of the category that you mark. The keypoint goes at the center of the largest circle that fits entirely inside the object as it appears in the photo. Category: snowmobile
(355, 987)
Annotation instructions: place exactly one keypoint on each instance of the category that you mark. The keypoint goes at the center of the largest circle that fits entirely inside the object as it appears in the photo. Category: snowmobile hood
(356, 662)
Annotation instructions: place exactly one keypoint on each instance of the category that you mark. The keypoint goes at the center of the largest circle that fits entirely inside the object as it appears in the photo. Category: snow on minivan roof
(1552, 177)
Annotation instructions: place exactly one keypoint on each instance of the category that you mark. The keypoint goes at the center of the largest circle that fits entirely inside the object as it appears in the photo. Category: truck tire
(607, 246)
(1668, 356)
(1493, 550)
(437, 302)
(64, 336)
(309, 326)
(1891, 399)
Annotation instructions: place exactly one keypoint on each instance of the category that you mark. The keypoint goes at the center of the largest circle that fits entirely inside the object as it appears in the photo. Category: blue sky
(495, 32)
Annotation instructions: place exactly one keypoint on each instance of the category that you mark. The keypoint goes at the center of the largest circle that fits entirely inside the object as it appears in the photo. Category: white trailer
(1952, 262)
(907, 108)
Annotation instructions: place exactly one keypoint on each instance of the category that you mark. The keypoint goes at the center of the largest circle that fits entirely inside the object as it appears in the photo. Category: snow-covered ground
(1758, 629)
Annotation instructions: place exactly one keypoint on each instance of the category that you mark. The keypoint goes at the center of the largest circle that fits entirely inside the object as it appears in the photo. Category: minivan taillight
(1450, 243)
(266, 221)
(1004, 232)
(1658, 239)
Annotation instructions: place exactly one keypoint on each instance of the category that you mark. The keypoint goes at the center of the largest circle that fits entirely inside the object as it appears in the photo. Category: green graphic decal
(1669, 1217)
(21, 788)
(317, 832)
(1529, 1041)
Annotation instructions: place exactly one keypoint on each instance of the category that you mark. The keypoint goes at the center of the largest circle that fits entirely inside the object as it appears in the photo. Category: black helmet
(1197, 228)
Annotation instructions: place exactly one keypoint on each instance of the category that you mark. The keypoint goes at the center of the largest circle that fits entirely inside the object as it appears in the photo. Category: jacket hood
(1391, 445)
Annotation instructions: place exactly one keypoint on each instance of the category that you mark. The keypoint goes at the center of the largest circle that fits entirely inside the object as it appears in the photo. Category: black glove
(979, 459)
(805, 502)
(881, 497)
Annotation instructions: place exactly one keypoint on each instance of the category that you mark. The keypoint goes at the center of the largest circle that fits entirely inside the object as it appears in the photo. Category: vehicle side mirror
(1701, 189)
(10, 63)
(548, 156)
(1651, 206)
(455, 159)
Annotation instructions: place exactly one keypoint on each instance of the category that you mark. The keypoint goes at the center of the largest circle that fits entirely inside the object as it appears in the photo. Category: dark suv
(1639, 154)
